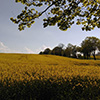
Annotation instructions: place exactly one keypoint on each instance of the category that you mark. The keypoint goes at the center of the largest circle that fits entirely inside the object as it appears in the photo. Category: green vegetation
(63, 13)
(89, 47)
(48, 77)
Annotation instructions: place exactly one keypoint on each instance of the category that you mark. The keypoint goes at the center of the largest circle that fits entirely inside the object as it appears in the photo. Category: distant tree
(79, 51)
(68, 50)
(89, 46)
(47, 51)
(57, 51)
(71, 51)
(74, 51)
(83, 50)
(61, 46)
(41, 52)
(64, 13)
(98, 45)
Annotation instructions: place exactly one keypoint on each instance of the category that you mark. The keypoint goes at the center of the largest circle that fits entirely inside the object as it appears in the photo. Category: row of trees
(88, 47)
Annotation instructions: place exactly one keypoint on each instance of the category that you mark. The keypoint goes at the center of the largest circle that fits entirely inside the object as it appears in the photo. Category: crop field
(97, 57)
(48, 77)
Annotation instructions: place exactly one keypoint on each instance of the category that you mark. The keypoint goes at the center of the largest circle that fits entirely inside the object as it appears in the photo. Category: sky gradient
(36, 38)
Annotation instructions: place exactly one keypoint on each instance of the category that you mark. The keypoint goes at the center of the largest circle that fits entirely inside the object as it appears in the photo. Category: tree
(67, 52)
(41, 53)
(89, 46)
(64, 13)
(57, 51)
(79, 52)
(74, 51)
(71, 51)
(85, 49)
(47, 51)
(98, 44)
(61, 45)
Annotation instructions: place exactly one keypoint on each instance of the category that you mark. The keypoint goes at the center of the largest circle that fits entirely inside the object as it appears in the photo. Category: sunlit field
(48, 77)
(97, 57)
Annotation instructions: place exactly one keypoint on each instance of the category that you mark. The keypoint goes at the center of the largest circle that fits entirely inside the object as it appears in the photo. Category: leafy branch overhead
(63, 13)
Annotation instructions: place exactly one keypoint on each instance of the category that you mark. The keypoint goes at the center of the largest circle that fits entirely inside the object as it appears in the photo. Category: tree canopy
(63, 13)
(90, 46)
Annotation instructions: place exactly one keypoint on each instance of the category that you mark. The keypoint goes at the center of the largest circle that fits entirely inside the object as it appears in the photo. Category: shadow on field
(75, 89)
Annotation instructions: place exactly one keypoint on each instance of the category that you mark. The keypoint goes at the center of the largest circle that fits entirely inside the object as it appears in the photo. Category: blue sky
(36, 38)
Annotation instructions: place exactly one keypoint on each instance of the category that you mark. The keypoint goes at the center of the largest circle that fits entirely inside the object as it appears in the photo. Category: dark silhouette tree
(57, 51)
(41, 52)
(67, 52)
(89, 46)
(61, 46)
(47, 51)
(71, 51)
(74, 51)
(64, 13)
(98, 44)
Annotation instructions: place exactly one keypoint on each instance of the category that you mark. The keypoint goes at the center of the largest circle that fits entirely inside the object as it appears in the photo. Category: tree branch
(46, 9)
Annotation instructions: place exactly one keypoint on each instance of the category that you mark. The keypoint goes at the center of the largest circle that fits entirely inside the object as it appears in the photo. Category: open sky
(36, 38)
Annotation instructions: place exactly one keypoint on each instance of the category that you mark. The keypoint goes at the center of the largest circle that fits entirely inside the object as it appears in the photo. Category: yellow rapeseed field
(21, 67)
(18, 70)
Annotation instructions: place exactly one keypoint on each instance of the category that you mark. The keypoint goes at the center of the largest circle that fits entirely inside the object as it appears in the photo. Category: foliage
(47, 51)
(89, 46)
(57, 51)
(69, 51)
(60, 12)
(72, 49)
(47, 77)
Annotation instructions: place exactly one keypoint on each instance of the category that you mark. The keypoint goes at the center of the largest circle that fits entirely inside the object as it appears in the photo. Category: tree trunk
(94, 55)
(87, 55)
(84, 56)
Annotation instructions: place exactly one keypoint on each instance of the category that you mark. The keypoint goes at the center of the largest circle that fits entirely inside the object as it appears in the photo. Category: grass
(48, 77)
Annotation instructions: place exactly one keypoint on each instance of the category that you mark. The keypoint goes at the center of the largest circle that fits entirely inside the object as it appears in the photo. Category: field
(47, 77)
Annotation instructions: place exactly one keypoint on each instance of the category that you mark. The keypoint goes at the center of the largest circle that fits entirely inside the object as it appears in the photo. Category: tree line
(89, 47)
